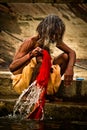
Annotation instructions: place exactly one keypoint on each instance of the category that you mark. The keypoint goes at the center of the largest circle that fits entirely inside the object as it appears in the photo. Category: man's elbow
(74, 54)
(11, 67)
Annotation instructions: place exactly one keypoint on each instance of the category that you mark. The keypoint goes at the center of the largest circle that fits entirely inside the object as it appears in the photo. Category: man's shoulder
(28, 40)
(26, 45)
(31, 39)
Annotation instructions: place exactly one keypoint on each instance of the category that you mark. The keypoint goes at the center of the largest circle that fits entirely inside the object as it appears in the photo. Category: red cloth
(44, 73)
(42, 80)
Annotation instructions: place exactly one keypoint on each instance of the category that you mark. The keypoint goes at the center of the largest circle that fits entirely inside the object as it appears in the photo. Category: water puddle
(13, 123)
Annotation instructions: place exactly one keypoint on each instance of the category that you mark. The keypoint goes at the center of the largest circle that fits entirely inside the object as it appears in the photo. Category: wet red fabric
(42, 80)
(44, 73)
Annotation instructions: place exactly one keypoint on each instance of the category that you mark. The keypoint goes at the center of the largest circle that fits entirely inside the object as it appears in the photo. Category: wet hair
(51, 26)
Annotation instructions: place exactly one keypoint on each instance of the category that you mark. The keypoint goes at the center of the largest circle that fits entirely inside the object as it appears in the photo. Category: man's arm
(68, 76)
(71, 53)
(22, 56)
(18, 63)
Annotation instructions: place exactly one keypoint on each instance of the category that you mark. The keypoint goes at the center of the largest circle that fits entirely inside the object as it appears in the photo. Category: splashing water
(27, 101)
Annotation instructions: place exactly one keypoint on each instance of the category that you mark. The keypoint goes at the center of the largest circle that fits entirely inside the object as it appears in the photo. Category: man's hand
(68, 76)
(36, 52)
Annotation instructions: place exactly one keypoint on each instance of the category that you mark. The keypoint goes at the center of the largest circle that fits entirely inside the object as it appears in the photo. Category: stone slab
(53, 111)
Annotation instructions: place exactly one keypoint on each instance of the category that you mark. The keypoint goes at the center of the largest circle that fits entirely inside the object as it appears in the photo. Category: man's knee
(65, 57)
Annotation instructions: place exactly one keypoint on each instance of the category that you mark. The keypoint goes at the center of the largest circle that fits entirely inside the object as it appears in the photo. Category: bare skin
(30, 49)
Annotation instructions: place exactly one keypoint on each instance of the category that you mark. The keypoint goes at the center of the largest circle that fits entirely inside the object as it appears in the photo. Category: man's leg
(62, 61)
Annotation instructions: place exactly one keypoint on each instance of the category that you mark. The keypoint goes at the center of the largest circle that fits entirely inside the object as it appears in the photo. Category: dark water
(9, 123)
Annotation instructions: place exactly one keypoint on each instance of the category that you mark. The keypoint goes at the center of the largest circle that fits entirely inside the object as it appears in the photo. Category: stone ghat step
(76, 92)
(54, 111)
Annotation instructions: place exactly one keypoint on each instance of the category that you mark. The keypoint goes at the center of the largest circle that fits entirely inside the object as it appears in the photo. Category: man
(49, 31)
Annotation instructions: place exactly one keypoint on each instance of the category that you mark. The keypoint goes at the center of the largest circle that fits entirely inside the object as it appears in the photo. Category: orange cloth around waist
(21, 81)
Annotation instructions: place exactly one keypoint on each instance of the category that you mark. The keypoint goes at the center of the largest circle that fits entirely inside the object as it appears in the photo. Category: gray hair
(51, 26)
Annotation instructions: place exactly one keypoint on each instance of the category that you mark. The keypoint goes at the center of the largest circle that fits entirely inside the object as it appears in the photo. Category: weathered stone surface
(76, 92)
(54, 111)
(74, 110)
(43, 1)
(66, 111)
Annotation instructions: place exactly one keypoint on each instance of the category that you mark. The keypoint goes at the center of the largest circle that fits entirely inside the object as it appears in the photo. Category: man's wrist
(30, 54)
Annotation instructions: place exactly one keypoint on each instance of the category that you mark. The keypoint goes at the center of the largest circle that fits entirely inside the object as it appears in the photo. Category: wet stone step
(72, 107)
(77, 92)
(54, 111)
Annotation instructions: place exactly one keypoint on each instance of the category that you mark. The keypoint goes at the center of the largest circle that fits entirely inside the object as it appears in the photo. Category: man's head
(51, 28)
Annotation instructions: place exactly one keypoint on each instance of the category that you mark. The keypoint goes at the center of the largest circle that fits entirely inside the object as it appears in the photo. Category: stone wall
(43, 1)
(77, 92)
